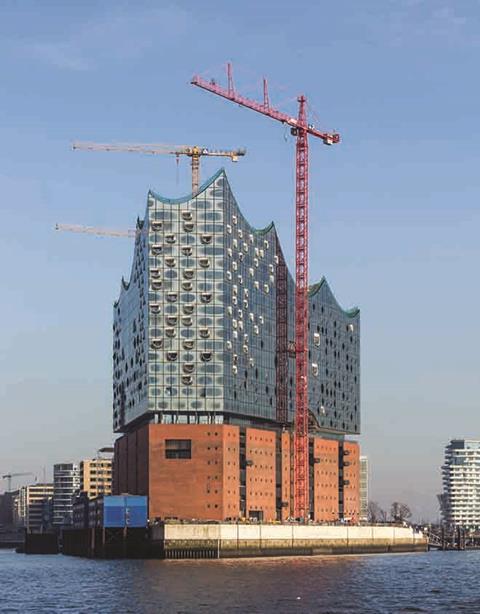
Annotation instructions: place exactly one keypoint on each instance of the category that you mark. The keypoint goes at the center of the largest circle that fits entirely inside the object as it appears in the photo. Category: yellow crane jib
(195, 152)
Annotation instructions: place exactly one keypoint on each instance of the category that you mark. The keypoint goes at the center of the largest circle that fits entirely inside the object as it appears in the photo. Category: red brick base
(227, 472)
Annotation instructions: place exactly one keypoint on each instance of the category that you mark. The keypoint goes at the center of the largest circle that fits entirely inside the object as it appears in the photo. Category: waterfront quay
(251, 540)
(182, 540)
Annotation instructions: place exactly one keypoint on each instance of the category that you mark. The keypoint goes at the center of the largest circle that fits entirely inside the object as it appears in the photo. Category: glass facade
(204, 329)
(334, 357)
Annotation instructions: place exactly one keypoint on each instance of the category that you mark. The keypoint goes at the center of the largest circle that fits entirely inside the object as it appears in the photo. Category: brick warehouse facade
(227, 472)
(204, 369)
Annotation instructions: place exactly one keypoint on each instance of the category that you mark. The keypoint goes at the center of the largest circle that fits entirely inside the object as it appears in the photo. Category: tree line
(399, 512)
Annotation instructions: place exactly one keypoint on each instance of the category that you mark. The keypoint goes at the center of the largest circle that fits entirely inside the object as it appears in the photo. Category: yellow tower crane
(192, 151)
(95, 230)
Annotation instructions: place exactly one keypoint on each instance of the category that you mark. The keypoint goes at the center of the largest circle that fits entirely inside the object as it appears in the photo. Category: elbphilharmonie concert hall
(204, 370)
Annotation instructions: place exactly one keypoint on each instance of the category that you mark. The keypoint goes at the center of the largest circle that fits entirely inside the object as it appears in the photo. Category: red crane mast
(300, 128)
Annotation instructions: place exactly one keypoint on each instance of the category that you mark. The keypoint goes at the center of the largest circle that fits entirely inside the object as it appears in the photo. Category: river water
(428, 582)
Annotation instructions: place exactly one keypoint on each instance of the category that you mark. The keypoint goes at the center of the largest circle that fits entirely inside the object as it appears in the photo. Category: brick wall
(206, 486)
(260, 475)
(231, 472)
(325, 486)
(351, 477)
(187, 488)
(286, 469)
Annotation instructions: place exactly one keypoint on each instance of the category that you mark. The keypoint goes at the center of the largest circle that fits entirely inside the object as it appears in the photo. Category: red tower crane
(300, 128)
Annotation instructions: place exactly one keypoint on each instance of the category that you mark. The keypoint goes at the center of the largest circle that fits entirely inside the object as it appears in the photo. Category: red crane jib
(300, 129)
(329, 138)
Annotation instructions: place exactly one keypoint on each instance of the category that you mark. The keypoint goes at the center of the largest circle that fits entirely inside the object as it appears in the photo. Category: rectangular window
(178, 448)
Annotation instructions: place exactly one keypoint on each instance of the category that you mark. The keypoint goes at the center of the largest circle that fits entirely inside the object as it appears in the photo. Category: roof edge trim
(203, 187)
(258, 231)
(313, 289)
(184, 199)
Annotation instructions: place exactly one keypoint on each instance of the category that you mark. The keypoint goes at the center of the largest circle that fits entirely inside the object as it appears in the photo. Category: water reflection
(430, 582)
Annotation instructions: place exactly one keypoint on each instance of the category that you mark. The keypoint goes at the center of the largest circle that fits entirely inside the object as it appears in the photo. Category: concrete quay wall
(248, 540)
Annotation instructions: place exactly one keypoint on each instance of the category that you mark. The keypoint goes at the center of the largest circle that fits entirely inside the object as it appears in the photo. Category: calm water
(433, 582)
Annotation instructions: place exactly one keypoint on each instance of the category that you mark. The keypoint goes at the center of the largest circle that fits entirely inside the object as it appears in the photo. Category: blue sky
(394, 208)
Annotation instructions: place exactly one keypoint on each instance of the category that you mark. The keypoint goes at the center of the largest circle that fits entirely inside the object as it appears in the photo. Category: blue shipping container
(125, 511)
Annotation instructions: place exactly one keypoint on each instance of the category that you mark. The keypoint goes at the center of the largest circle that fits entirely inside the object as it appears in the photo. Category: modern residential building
(66, 481)
(204, 369)
(96, 477)
(33, 506)
(364, 480)
(460, 501)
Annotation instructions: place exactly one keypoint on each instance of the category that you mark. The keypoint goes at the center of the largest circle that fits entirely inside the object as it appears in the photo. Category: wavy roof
(313, 289)
(184, 199)
(206, 184)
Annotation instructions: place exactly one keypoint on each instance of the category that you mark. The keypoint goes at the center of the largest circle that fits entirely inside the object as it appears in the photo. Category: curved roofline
(259, 231)
(203, 187)
(313, 289)
(124, 284)
(184, 199)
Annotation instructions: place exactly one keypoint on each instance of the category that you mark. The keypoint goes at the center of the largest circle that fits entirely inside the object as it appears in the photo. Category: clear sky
(395, 219)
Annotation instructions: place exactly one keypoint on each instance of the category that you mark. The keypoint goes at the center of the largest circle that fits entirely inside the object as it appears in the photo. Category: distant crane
(93, 230)
(192, 151)
(9, 476)
(301, 129)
